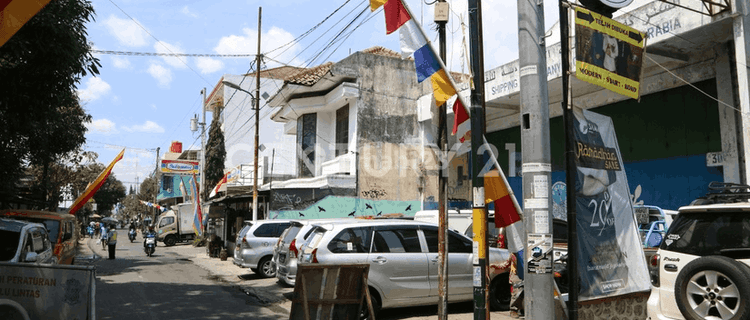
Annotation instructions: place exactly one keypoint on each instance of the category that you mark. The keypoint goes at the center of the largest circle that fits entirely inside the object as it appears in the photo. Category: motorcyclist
(149, 233)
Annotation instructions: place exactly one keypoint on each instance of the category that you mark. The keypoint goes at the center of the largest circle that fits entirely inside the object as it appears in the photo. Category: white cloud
(147, 127)
(95, 89)
(208, 65)
(127, 31)
(153, 106)
(177, 62)
(103, 126)
(121, 62)
(186, 11)
(247, 43)
(161, 74)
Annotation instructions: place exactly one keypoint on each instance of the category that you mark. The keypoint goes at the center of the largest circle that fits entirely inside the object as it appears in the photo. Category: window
(306, 139)
(396, 241)
(456, 243)
(708, 233)
(342, 130)
(351, 240)
(166, 221)
(265, 230)
(166, 183)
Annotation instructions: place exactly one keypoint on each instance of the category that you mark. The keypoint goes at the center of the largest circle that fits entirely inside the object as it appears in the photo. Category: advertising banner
(50, 292)
(180, 167)
(608, 53)
(610, 259)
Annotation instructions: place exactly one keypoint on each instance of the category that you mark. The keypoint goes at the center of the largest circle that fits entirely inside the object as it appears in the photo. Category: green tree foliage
(216, 154)
(41, 118)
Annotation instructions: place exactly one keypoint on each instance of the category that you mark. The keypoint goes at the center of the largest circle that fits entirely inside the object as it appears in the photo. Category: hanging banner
(609, 54)
(180, 167)
(610, 259)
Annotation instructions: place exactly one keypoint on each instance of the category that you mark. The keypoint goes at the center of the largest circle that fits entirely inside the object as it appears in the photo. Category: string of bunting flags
(428, 65)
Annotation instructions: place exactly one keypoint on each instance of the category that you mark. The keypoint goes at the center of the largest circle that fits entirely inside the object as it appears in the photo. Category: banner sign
(610, 259)
(180, 166)
(608, 53)
(50, 291)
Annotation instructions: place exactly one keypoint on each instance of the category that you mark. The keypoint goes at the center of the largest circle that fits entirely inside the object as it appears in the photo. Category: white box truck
(176, 225)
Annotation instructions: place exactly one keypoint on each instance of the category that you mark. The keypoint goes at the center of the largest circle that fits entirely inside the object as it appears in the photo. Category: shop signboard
(608, 53)
(180, 167)
(610, 258)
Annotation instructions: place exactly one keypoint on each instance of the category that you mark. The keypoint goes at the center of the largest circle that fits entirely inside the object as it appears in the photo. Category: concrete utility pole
(479, 211)
(257, 123)
(441, 18)
(535, 150)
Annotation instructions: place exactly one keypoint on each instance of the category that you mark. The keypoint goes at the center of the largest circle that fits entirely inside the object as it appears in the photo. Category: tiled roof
(377, 50)
(279, 73)
(310, 76)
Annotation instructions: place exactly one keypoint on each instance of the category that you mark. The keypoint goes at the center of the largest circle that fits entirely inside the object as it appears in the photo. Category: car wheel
(364, 312)
(500, 293)
(170, 241)
(265, 268)
(713, 287)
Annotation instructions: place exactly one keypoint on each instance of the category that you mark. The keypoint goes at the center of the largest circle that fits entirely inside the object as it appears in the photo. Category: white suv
(403, 259)
(255, 244)
(701, 268)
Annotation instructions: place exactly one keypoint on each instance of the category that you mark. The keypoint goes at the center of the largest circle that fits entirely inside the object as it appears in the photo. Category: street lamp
(255, 160)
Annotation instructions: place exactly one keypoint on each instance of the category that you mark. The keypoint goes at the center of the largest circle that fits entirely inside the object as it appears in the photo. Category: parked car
(701, 266)
(403, 258)
(255, 244)
(61, 228)
(22, 241)
(286, 251)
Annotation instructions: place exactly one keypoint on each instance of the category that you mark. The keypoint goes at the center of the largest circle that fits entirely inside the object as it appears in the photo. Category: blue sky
(142, 102)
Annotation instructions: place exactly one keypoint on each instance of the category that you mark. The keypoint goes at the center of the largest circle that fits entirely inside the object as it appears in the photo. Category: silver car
(26, 242)
(255, 243)
(403, 258)
(286, 251)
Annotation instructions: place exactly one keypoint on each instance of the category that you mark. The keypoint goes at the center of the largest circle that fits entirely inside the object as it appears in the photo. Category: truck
(176, 225)
(30, 291)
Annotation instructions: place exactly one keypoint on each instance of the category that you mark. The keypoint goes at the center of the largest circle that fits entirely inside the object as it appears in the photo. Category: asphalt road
(182, 282)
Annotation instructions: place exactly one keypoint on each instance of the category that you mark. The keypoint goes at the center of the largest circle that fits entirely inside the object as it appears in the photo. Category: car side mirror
(30, 257)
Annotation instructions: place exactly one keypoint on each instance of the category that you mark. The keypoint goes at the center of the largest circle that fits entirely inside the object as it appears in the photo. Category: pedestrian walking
(112, 241)
(103, 236)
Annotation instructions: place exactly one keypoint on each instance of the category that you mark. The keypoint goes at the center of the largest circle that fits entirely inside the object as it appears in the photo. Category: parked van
(60, 226)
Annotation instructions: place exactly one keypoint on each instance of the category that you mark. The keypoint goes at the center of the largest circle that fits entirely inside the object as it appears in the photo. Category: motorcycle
(131, 235)
(149, 244)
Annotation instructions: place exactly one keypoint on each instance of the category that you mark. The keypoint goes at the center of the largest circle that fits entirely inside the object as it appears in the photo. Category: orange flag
(15, 13)
(94, 186)
(498, 191)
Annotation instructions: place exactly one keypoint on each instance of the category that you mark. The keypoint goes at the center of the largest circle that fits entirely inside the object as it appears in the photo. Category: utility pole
(157, 175)
(441, 18)
(479, 211)
(538, 277)
(203, 147)
(257, 123)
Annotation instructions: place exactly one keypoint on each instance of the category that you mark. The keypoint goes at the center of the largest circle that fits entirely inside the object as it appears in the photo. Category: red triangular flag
(395, 15)
(461, 123)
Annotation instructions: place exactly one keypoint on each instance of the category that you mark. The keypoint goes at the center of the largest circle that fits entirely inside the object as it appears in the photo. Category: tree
(41, 118)
(110, 193)
(216, 154)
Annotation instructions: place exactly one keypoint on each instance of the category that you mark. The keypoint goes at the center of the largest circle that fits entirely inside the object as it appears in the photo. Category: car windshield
(53, 226)
(707, 233)
(9, 241)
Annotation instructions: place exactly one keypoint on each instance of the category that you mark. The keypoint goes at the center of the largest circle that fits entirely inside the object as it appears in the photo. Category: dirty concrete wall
(390, 164)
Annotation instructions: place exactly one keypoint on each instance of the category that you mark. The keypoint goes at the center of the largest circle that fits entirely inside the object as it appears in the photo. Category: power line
(172, 54)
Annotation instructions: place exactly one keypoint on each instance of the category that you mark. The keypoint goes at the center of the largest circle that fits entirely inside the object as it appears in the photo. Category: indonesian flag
(94, 186)
(461, 123)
